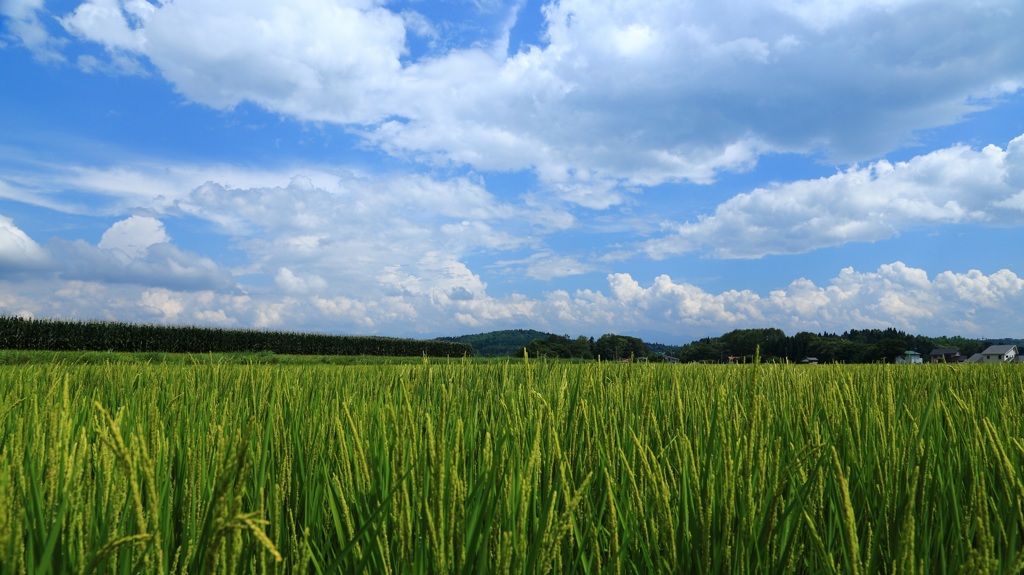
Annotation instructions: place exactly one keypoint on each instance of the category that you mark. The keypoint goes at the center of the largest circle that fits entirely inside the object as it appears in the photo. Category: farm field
(434, 466)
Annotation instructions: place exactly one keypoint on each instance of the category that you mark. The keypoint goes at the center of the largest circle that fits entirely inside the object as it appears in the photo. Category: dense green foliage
(504, 343)
(511, 467)
(512, 343)
(57, 335)
(854, 346)
(609, 347)
(561, 346)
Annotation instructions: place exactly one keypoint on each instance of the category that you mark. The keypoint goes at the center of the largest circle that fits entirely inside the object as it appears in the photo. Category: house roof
(974, 358)
(945, 351)
(998, 349)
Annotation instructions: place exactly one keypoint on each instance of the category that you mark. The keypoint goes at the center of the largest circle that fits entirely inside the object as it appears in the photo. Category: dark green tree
(615, 347)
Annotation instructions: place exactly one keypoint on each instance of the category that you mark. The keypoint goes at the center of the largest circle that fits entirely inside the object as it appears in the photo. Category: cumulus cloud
(159, 265)
(289, 282)
(339, 234)
(132, 238)
(894, 295)
(329, 61)
(17, 250)
(308, 230)
(955, 185)
(341, 250)
(135, 250)
(615, 98)
(454, 300)
(117, 24)
(617, 95)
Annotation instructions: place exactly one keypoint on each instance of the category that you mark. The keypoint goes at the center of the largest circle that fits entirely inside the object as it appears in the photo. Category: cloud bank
(365, 252)
(454, 301)
(957, 185)
(609, 101)
(615, 95)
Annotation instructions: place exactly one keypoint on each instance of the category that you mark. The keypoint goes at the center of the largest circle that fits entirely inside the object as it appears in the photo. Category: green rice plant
(509, 467)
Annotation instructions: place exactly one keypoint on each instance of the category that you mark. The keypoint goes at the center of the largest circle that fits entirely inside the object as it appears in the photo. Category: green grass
(214, 466)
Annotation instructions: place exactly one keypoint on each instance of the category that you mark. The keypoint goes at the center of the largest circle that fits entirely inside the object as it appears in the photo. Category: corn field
(63, 335)
(511, 467)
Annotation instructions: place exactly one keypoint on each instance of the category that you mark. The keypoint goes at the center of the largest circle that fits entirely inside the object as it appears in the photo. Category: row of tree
(513, 342)
(609, 347)
(502, 343)
(59, 335)
(854, 346)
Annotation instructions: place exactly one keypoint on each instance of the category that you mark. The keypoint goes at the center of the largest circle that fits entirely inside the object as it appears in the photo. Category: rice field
(510, 467)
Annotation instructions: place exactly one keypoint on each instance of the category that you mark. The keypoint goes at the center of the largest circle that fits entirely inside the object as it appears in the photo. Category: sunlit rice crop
(525, 467)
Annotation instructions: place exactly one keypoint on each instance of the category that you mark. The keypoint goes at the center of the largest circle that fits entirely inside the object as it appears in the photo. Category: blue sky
(664, 169)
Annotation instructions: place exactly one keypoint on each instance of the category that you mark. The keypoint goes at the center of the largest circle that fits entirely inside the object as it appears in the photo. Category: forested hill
(511, 343)
(505, 343)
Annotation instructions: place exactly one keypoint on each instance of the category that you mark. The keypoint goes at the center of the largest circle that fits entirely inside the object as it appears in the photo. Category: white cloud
(117, 24)
(453, 300)
(291, 283)
(309, 231)
(955, 185)
(618, 97)
(22, 18)
(894, 295)
(16, 248)
(331, 61)
(545, 265)
(159, 265)
(995, 291)
(821, 15)
(163, 302)
(133, 251)
(338, 235)
(620, 94)
(131, 238)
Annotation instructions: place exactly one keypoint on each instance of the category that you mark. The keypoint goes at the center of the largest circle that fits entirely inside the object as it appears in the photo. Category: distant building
(976, 358)
(809, 360)
(948, 355)
(909, 357)
(999, 354)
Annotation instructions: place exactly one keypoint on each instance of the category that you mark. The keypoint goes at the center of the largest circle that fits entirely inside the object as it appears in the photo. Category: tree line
(514, 342)
(853, 346)
(60, 335)
(608, 347)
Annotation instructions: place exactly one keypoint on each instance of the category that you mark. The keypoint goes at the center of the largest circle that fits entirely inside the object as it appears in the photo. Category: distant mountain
(505, 343)
(1005, 341)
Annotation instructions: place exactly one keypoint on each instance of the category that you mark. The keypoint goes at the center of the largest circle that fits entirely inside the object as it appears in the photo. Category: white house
(999, 354)
(909, 357)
